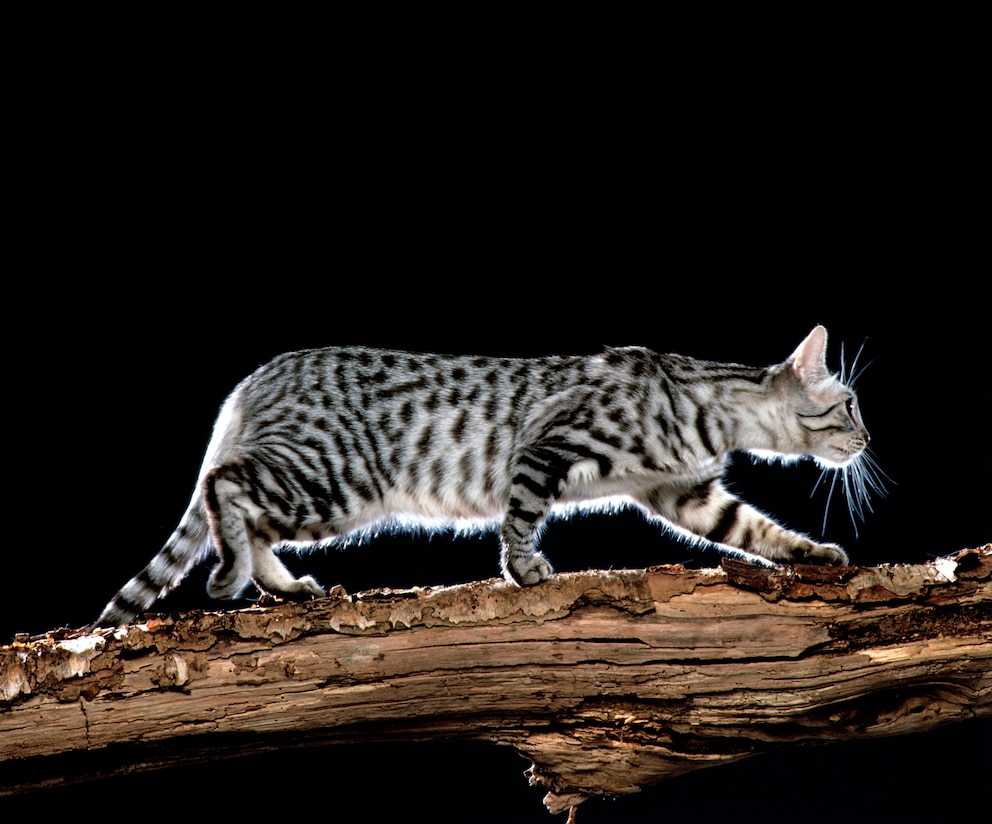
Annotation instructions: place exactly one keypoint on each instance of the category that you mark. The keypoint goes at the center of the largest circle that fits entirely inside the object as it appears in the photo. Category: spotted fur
(322, 443)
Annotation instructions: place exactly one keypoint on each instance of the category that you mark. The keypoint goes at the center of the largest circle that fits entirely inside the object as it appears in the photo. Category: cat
(322, 443)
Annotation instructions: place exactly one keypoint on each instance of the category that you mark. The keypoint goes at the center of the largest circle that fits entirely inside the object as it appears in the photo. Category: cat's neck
(742, 417)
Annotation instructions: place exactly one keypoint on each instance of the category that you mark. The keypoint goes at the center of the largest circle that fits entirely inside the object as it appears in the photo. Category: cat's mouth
(840, 457)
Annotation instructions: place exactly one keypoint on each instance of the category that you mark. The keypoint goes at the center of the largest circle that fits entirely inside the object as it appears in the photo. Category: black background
(175, 244)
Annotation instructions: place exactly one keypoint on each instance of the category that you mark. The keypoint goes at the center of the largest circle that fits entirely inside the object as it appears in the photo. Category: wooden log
(607, 681)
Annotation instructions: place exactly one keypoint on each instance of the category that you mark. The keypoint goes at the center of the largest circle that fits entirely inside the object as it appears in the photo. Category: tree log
(606, 681)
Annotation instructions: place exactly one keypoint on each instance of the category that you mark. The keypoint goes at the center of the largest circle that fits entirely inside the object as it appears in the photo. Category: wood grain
(607, 681)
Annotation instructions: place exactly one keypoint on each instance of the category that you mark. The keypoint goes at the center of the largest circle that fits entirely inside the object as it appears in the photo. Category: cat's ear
(809, 362)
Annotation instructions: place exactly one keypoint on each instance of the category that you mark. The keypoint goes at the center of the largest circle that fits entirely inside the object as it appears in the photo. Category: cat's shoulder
(636, 361)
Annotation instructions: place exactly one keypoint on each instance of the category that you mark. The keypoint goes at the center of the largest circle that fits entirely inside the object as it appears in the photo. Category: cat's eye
(849, 406)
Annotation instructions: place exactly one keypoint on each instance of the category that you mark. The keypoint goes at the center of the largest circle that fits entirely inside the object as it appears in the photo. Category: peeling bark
(607, 681)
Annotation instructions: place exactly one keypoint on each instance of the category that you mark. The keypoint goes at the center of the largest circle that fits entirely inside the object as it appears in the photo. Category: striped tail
(164, 571)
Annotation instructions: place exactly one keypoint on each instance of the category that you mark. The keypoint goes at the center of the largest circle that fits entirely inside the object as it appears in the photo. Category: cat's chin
(829, 463)
(785, 458)
(775, 457)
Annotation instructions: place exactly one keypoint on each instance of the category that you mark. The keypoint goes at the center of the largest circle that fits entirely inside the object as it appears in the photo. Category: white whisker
(854, 364)
(830, 495)
(856, 373)
(824, 472)
(862, 477)
(856, 376)
(860, 480)
(855, 495)
(851, 376)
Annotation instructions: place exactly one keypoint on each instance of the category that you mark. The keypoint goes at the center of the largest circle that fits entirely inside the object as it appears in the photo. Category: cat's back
(392, 387)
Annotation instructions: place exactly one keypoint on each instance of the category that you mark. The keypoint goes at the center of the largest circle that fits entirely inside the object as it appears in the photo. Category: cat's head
(821, 414)
(815, 413)
(818, 415)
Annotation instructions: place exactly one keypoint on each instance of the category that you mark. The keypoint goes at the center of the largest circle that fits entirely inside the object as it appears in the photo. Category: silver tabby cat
(321, 443)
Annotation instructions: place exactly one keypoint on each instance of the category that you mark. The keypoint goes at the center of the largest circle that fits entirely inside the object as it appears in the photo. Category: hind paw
(305, 588)
(226, 585)
(297, 589)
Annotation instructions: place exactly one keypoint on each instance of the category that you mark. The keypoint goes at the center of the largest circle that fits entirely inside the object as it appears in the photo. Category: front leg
(709, 511)
(535, 481)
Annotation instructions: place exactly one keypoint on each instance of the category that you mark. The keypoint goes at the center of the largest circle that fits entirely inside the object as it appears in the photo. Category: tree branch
(607, 681)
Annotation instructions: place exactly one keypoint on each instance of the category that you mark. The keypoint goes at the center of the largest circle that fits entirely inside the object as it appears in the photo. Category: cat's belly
(465, 507)
(400, 510)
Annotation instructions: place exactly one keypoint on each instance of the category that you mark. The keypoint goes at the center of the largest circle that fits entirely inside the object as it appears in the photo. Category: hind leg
(245, 550)
(226, 504)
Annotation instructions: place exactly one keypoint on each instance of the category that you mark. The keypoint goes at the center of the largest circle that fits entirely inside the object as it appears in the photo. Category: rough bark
(607, 681)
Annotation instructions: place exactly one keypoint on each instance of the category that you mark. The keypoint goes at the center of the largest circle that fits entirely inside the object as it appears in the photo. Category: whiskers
(859, 480)
(851, 376)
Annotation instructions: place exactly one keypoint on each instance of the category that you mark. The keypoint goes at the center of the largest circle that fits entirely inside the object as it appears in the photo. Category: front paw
(827, 554)
(528, 570)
